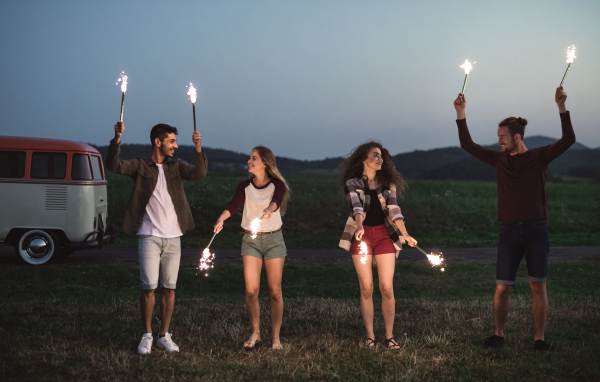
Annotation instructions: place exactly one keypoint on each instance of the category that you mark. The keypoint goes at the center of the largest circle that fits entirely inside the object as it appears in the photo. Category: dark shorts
(518, 239)
(377, 239)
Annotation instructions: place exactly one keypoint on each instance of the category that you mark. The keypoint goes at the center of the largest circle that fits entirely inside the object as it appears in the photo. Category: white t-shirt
(160, 218)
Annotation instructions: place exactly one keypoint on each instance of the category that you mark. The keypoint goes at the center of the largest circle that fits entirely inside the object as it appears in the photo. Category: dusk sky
(309, 79)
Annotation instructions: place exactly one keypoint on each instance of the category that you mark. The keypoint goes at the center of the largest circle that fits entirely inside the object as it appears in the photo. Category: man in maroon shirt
(522, 211)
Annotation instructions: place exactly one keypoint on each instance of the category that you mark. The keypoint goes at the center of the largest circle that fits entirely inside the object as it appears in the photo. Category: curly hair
(353, 167)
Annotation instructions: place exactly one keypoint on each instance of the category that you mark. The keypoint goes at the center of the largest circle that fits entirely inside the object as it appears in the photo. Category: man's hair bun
(522, 121)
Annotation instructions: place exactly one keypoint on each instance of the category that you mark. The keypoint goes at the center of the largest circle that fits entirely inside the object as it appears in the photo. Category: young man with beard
(522, 211)
(158, 213)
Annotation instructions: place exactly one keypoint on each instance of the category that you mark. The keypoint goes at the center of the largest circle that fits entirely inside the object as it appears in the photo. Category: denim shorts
(264, 247)
(518, 239)
(159, 261)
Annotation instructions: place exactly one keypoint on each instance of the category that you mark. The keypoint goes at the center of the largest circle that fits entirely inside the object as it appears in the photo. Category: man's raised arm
(113, 163)
(485, 155)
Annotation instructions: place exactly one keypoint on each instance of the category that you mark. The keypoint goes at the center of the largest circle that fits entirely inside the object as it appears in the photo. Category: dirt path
(128, 256)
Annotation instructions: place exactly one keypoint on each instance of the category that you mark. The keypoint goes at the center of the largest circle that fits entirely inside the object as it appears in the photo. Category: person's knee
(252, 292)
(366, 291)
(275, 294)
(503, 291)
(147, 293)
(538, 288)
(387, 290)
(168, 293)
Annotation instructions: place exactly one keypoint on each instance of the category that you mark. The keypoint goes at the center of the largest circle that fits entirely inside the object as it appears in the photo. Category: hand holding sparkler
(119, 130)
(197, 139)
(561, 97)
(460, 103)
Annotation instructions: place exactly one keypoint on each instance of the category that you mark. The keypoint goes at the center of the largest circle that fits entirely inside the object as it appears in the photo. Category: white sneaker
(167, 343)
(145, 344)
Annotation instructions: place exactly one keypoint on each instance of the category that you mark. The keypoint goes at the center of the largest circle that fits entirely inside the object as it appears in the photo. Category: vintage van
(53, 198)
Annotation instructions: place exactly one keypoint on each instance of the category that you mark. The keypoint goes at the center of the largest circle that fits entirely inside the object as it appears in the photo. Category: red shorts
(377, 239)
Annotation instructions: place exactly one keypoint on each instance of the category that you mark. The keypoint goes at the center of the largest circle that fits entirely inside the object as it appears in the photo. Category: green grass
(445, 214)
(68, 323)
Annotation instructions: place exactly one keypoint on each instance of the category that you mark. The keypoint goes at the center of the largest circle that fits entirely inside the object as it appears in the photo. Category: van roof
(27, 143)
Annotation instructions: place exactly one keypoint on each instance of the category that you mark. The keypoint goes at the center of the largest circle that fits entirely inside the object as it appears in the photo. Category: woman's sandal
(277, 344)
(391, 344)
(370, 343)
(252, 341)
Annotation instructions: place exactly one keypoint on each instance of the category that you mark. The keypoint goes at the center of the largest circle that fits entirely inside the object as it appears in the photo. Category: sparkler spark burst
(123, 81)
(255, 227)
(206, 261)
(435, 260)
(571, 54)
(466, 66)
(192, 93)
(363, 251)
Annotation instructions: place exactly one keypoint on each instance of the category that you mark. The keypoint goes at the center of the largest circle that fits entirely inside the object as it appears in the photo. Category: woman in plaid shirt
(369, 176)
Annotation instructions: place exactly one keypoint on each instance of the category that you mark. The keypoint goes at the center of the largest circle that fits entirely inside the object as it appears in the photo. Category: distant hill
(579, 163)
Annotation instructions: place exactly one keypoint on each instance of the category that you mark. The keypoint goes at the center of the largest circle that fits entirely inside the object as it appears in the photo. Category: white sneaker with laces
(167, 343)
(145, 346)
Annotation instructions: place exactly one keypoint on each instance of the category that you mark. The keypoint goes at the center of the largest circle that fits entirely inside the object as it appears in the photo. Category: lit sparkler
(206, 261)
(255, 226)
(433, 259)
(363, 251)
(207, 258)
(467, 67)
(123, 81)
(570, 57)
(192, 93)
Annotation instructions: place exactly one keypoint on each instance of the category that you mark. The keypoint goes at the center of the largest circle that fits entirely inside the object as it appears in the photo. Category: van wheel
(37, 247)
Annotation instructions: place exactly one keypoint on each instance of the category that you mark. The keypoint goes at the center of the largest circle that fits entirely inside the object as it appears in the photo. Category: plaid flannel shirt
(359, 203)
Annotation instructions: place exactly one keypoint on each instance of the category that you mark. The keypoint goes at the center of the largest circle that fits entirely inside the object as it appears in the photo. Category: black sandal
(391, 344)
(370, 343)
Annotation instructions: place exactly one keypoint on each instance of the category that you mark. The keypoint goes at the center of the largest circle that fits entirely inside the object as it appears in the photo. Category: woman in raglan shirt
(265, 193)
(371, 184)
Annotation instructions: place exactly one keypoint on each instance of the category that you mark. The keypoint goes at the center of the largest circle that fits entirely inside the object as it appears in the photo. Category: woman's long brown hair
(353, 167)
(268, 158)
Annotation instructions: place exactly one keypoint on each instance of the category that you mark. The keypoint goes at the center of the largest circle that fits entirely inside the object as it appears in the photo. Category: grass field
(79, 323)
(440, 214)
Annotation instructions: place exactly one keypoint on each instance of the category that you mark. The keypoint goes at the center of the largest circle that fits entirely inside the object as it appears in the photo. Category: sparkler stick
(123, 81)
(192, 93)
(363, 251)
(211, 240)
(207, 257)
(570, 57)
(467, 67)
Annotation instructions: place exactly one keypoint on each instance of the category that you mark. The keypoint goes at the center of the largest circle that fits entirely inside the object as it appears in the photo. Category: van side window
(81, 169)
(98, 173)
(12, 164)
(49, 165)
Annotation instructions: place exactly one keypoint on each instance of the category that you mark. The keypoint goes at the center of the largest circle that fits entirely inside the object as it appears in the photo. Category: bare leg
(147, 308)
(365, 279)
(385, 269)
(252, 269)
(274, 268)
(167, 302)
(539, 308)
(501, 307)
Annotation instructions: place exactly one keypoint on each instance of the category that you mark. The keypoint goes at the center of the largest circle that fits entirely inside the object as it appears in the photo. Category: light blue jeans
(159, 260)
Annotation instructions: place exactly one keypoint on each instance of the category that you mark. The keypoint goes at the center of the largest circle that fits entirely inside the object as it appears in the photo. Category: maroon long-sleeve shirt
(520, 178)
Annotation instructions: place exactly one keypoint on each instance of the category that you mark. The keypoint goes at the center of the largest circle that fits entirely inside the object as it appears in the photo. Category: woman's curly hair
(353, 167)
